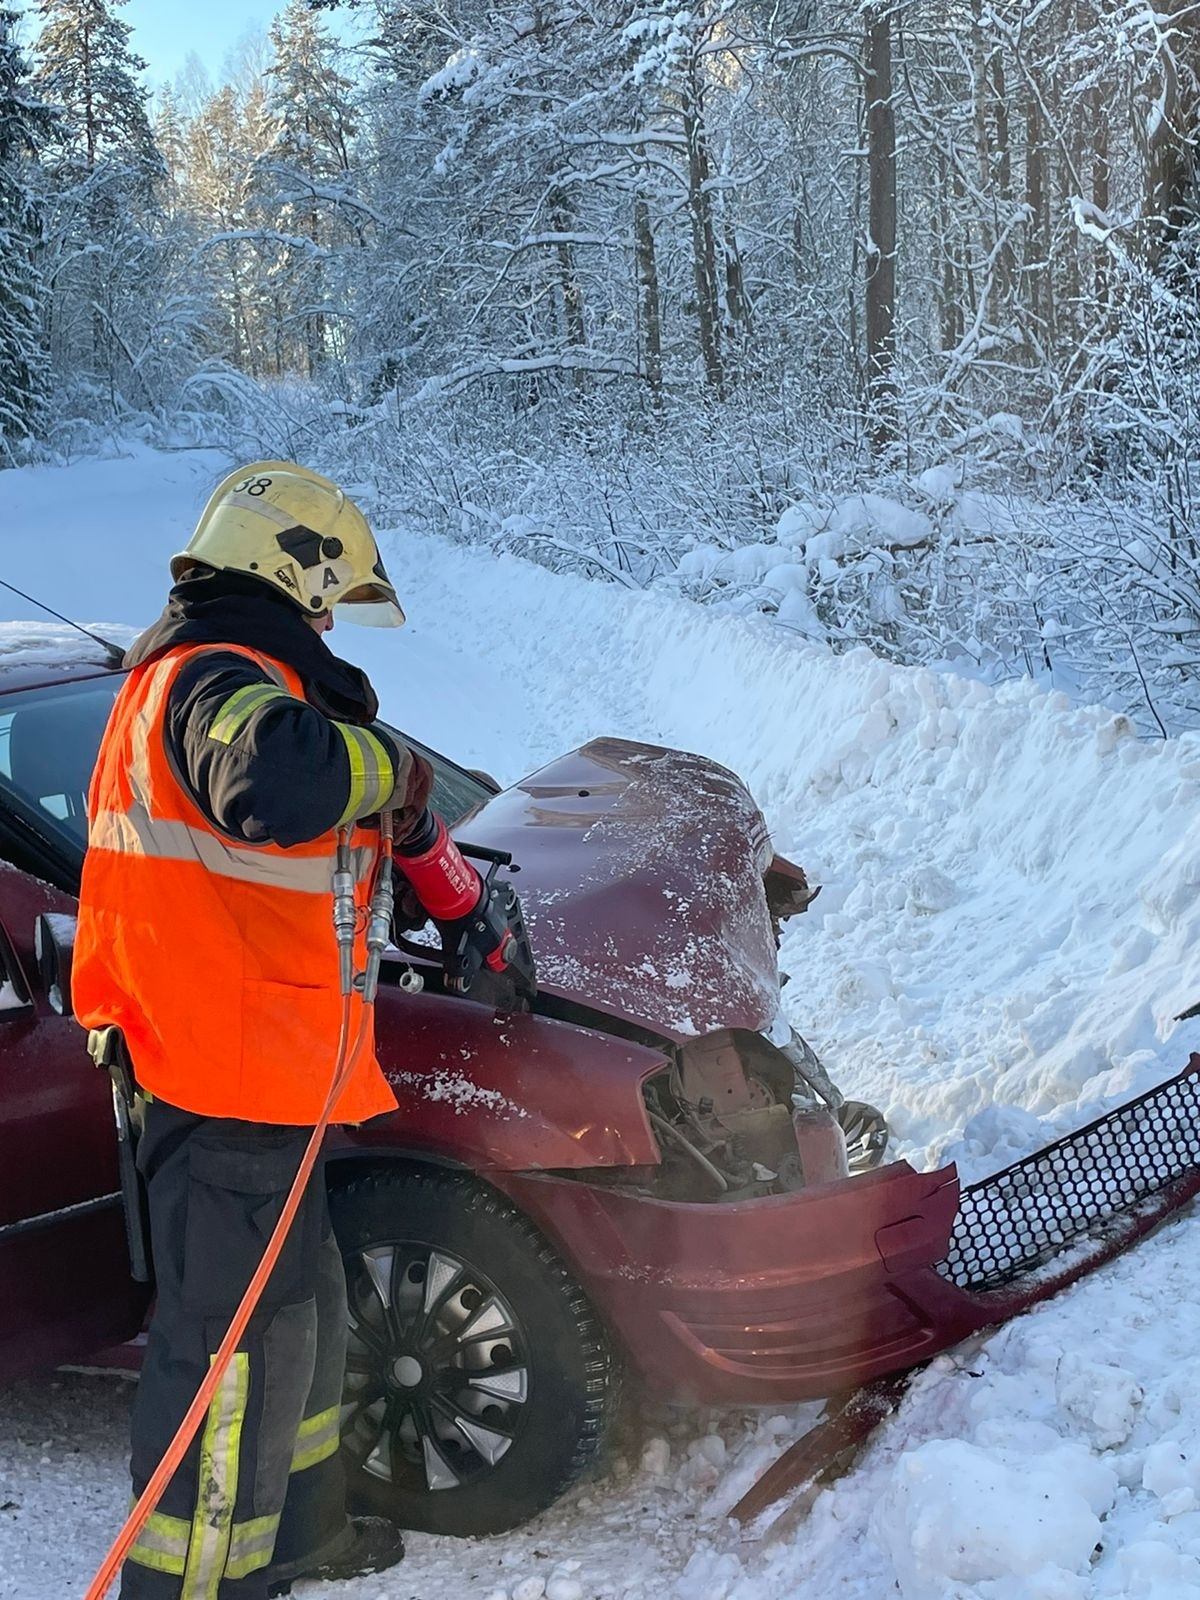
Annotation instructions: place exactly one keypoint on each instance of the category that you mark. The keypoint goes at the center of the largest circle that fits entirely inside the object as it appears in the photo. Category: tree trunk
(649, 312)
(982, 132)
(568, 278)
(704, 252)
(1101, 180)
(950, 319)
(735, 282)
(1037, 243)
(89, 109)
(1069, 111)
(880, 289)
(1170, 141)
(1006, 266)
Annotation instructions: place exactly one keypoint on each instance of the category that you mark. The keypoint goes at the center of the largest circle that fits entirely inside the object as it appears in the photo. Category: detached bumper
(789, 1298)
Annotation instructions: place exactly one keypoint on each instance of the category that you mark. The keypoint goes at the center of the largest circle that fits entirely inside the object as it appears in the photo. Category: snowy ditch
(1010, 921)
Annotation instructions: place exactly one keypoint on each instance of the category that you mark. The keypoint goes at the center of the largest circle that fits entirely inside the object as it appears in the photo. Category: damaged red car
(643, 1166)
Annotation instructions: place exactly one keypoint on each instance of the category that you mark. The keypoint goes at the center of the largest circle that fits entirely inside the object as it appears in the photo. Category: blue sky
(165, 32)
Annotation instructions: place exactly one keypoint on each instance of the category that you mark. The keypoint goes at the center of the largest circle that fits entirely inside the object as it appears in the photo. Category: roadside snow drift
(1009, 923)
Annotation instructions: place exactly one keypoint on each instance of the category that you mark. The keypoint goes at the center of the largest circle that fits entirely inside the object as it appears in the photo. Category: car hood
(641, 878)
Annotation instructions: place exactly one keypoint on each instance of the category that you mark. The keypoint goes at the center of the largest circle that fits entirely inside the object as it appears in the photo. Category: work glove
(410, 793)
(480, 939)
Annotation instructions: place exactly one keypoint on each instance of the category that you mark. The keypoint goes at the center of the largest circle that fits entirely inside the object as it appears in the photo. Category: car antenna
(116, 656)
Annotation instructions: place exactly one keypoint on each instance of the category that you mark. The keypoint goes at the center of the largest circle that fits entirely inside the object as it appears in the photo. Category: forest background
(878, 319)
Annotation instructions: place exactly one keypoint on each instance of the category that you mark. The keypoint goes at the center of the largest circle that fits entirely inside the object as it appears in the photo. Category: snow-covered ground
(1010, 921)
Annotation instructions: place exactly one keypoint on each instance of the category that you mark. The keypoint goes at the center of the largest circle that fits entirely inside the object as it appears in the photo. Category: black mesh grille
(1015, 1220)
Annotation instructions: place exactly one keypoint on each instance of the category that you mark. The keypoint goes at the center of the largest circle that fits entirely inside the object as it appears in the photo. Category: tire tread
(602, 1383)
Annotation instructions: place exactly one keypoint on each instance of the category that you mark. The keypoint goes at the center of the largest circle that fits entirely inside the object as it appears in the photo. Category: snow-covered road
(1010, 920)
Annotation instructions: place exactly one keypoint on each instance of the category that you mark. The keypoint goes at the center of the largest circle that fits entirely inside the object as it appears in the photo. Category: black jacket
(271, 770)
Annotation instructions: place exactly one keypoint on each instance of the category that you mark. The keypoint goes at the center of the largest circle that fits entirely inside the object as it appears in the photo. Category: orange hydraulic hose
(177, 1449)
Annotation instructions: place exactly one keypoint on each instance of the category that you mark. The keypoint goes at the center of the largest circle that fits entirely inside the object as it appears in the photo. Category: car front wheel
(479, 1382)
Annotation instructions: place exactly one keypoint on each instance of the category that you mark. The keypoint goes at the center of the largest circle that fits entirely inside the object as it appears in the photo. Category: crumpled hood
(641, 882)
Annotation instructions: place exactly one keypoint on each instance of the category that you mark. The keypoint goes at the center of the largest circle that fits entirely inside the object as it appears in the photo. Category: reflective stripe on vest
(216, 957)
(137, 833)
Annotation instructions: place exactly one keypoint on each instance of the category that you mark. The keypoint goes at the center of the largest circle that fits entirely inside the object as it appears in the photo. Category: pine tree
(108, 244)
(170, 137)
(310, 97)
(26, 125)
(226, 139)
(88, 70)
(309, 162)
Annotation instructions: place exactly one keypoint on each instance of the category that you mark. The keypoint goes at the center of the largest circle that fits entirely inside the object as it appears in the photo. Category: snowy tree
(224, 144)
(26, 126)
(169, 131)
(124, 322)
(88, 71)
(306, 183)
(617, 284)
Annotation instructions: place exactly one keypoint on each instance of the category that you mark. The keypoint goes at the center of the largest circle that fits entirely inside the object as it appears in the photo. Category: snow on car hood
(641, 882)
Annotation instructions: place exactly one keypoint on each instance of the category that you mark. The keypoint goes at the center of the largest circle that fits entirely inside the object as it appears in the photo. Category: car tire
(479, 1381)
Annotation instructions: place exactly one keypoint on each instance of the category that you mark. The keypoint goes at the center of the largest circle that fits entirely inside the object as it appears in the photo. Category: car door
(65, 1289)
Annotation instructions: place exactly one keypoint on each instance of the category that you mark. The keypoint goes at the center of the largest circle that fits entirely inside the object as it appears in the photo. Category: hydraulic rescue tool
(493, 934)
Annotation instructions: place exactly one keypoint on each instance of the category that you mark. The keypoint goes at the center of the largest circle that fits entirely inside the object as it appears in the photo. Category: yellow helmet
(298, 532)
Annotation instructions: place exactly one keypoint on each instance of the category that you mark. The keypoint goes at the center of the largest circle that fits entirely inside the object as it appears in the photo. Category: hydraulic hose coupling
(379, 919)
(446, 885)
(345, 914)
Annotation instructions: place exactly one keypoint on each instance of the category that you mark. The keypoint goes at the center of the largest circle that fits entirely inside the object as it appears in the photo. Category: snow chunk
(564, 1589)
(929, 891)
(709, 1575)
(941, 484)
(855, 522)
(1171, 1465)
(1103, 1398)
(954, 1513)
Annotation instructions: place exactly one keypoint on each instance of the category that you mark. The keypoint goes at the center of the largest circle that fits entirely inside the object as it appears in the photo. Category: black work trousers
(260, 1496)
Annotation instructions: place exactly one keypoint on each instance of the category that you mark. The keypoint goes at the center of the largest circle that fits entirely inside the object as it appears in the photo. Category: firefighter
(239, 749)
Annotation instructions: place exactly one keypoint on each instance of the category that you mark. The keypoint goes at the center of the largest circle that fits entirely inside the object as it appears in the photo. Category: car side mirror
(15, 999)
(53, 946)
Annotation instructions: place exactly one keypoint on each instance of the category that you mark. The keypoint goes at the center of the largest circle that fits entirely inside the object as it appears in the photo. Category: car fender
(504, 1091)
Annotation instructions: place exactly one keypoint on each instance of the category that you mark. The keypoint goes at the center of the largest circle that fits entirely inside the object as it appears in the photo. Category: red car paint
(641, 879)
(792, 1297)
(65, 1287)
(505, 1092)
(641, 873)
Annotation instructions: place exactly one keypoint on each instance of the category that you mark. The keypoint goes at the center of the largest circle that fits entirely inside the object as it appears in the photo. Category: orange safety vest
(215, 958)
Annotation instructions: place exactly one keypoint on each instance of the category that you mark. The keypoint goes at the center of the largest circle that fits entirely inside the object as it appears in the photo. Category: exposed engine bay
(738, 1118)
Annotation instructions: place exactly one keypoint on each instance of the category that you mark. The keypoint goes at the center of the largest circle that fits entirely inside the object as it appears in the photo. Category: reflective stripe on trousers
(261, 1493)
(163, 1545)
(212, 1545)
(317, 1440)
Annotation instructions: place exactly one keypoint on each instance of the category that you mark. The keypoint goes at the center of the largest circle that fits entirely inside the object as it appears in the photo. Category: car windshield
(48, 742)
